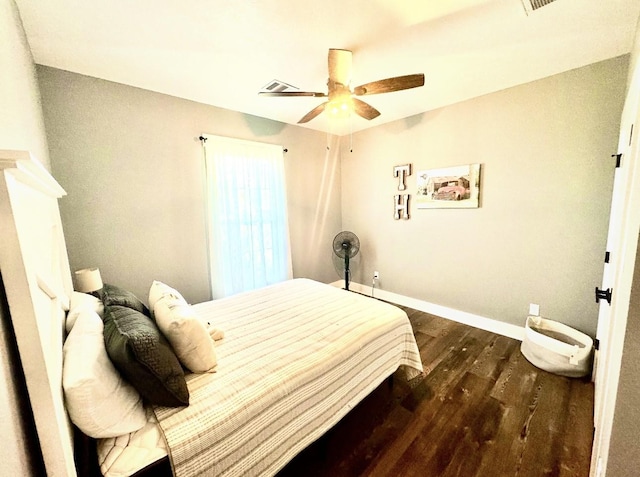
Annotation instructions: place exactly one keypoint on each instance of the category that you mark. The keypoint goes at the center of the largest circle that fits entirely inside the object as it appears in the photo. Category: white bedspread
(125, 455)
(296, 357)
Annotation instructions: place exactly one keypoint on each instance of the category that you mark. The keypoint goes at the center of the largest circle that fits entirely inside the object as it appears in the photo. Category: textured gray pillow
(114, 295)
(144, 357)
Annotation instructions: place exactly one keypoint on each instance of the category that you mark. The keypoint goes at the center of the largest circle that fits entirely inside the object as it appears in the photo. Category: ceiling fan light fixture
(341, 104)
(339, 110)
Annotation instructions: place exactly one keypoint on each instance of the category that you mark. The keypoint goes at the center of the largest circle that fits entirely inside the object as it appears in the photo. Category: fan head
(346, 244)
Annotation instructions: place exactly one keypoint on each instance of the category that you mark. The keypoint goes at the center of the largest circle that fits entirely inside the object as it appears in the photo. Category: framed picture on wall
(455, 187)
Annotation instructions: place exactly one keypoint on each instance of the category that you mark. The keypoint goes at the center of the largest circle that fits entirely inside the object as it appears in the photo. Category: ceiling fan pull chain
(350, 132)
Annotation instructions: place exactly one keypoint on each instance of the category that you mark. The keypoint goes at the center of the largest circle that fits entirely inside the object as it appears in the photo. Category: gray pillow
(144, 357)
(114, 295)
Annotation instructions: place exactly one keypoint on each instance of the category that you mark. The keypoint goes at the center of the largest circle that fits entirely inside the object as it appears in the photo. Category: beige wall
(132, 165)
(21, 127)
(540, 233)
(21, 124)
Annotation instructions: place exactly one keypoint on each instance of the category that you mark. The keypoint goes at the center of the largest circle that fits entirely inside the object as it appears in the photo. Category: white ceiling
(222, 52)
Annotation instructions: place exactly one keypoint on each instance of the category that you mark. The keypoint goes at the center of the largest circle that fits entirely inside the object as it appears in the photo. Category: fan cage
(346, 253)
(343, 237)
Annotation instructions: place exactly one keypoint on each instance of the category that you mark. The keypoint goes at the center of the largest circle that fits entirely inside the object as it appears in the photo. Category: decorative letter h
(401, 203)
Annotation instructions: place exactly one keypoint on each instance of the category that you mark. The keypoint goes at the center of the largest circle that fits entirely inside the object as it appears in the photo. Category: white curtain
(247, 215)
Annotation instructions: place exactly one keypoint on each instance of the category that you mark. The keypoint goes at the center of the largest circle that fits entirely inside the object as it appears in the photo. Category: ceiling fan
(341, 97)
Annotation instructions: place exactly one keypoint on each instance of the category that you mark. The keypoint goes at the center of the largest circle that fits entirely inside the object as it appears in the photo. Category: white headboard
(37, 280)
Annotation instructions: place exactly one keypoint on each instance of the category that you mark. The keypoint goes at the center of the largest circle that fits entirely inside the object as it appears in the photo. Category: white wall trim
(477, 321)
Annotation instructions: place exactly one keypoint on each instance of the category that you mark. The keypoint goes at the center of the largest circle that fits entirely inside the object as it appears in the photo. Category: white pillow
(158, 290)
(98, 400)
(187, 334)
(78, 303)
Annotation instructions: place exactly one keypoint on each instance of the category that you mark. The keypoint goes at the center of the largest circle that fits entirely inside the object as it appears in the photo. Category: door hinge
(604, 295)
(596, 344)
(618, 159)
(630, 135)
(607, 257)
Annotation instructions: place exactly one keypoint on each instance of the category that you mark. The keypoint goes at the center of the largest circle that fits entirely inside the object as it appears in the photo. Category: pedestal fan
(346, 246)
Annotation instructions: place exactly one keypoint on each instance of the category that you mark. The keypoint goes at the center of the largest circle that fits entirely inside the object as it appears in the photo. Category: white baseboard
(482, 322)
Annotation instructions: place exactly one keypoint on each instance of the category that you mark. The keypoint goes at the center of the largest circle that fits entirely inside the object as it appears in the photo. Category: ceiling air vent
(533, 5)
(277, 86)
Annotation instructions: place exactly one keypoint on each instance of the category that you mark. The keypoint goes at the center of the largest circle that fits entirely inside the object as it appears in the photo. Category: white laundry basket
(557, 348)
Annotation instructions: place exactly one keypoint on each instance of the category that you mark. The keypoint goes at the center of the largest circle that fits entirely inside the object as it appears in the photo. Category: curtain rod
(204, 140)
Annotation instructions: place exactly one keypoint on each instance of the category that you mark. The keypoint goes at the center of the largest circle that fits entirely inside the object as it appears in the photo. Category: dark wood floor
(480, 409)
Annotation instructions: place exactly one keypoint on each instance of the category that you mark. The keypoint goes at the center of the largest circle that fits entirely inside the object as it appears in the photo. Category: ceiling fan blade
(389, 85)
(293, 93)
(365, 110)
(340, 62)
(313, 113)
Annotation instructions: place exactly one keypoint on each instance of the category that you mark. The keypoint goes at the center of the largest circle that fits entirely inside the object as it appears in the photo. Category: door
(604, 294)
(613, 294)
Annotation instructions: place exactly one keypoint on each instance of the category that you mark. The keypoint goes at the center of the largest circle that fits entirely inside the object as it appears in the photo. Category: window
(247, 215)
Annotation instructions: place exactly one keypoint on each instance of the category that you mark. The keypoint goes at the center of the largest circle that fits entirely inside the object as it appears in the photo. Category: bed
(295, 358)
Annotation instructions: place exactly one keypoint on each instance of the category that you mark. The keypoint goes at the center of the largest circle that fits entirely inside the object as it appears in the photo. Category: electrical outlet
(534, 310)
(376, 275)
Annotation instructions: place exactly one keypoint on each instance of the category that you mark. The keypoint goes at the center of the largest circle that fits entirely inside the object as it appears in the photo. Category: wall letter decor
(401, 203)
(401, 172)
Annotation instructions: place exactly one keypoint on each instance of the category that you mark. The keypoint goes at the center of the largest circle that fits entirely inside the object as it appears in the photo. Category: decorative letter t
(401, 172)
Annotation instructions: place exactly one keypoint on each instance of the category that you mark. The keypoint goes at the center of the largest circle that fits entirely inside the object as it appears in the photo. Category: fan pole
(346, 271)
